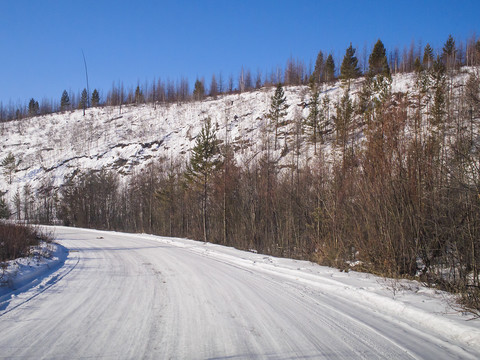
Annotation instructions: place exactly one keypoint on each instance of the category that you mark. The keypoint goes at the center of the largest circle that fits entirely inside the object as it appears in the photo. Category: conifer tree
(428, 57)
(329, 71)
(95, 98)
(33, 107)
(317, 75)
(437, 112)
(139, 98)
(449, 53)
(377, 61)
(349, 69)
(198, 90)
(204, 162)
(278, 109)
(9, 164)
(64, 101)
(83, 101)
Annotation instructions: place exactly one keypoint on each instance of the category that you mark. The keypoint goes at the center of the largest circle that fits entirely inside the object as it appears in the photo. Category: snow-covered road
(125, 296)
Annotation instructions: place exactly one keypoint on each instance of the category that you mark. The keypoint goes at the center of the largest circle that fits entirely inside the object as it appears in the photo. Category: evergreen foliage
(204, 161)
(9, 164)
(449, 53)
(33, 107)
(428, 57)
(278, 109)
(64, 101)
(329, 71)
(317, 75)
(139, 97)
(198, 90)
(438, 110)
(83, 100)
(95, 98)
(377, 61)
(349, 69)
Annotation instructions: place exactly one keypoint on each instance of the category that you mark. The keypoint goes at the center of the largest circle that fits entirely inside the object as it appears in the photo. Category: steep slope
(48, 148)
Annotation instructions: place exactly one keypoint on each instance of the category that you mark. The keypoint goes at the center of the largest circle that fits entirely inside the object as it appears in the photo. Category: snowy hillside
(50, 147)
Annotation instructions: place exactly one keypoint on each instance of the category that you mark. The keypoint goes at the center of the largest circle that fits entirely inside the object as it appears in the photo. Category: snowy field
(128, 296)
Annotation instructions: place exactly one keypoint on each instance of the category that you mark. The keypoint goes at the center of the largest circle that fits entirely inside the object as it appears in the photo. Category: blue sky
(41, 42)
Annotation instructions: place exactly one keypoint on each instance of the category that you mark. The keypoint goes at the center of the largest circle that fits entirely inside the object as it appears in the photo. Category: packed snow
(130, 296)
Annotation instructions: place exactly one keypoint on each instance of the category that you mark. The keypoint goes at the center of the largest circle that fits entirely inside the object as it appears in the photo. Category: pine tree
(64, 101)
(427, 57)
(33, 107)
(83, 101)
(349, 69)
(95, 98)
(199, 90)
(139, 98)
(317, 75)
(449, 52)
(329, 71)
(278, 109)
(9, 164)
(204, 162)
(377, 61)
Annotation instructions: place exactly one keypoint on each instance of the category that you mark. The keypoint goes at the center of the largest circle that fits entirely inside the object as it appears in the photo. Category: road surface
(123, 296)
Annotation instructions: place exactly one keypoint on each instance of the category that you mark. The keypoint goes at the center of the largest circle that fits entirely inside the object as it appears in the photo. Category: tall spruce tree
(438, 108)
(428, 57)
(449, 53)
(329, 71)
(278, 109)
(95, 98)
(83, 101)
(9, 164)
(377, 62)
(198, 90)
(317, 75)
(64, 101)
(349, 69)
(204, 162)
(33, 107)
(139, 98)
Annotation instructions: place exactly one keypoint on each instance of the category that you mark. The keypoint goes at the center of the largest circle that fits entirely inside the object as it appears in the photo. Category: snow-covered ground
(132, 296)
(50, 147)
(20, 275)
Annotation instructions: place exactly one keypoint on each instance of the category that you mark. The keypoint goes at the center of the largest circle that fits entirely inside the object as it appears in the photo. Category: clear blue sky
(134, 41)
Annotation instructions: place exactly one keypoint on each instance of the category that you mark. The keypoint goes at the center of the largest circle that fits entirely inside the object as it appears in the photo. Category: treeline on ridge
(296, 72)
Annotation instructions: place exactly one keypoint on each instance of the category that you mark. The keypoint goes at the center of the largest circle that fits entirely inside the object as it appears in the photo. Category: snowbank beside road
(25, 273)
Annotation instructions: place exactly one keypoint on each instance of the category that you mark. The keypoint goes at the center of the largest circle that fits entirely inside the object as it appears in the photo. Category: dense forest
(394, 187)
